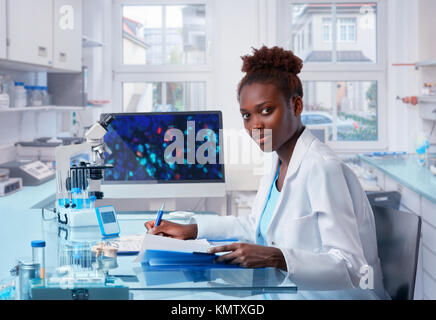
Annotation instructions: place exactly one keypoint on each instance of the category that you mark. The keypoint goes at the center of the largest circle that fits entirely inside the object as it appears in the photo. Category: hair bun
(272, 58)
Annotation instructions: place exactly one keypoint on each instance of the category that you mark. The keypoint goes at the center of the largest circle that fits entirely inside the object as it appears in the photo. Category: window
(344, 68)
(164, 34)
(346, 29)
(161, 61)
(163, 96)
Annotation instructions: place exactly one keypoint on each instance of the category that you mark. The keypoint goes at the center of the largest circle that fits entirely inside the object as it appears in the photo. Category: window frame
(347, 71)
(161, 72)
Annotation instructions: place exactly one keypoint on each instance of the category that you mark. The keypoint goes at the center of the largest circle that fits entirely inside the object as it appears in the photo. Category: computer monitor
(165, 154)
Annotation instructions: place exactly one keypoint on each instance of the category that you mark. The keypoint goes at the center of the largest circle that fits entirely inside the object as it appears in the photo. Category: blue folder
(177, 259)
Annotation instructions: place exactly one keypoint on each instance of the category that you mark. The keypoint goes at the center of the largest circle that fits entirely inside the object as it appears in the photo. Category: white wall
(238, 26)
(411, 31)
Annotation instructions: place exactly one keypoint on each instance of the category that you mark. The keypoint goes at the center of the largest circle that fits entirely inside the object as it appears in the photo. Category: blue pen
(159, 215)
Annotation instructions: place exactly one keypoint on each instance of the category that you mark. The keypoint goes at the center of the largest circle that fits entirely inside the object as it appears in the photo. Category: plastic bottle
(9, 87)
(4, 96)
(421, 146)
(37, 96)
(20, 95)
(38, 255)
(45, 96)
(28, 95)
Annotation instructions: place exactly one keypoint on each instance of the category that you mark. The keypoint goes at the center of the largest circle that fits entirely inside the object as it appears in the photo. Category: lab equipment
(27, 270)
(145, 155)
(84, 288)
(20, 95)
(32, 173)
(38, 255)
(42, 149)
(159, 215)
(8, 185)
(107, 220)
(81, 180)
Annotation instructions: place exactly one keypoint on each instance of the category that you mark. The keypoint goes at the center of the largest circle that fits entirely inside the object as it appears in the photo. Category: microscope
(79, 171)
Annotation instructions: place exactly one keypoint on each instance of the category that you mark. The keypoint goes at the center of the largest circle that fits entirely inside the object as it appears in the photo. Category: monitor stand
(164, 190)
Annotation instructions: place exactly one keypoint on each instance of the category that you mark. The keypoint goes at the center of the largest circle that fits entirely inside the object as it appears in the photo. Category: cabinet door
(67, 52)
(30, 31)
(2, 29)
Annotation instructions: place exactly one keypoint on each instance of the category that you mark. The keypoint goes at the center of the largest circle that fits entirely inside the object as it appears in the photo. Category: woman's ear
(298, 106)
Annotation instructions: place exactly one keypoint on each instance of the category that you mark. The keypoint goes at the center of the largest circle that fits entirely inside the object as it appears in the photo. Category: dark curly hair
(273, 66)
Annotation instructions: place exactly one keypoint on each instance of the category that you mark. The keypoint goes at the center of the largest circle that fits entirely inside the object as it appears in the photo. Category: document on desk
(153, 242)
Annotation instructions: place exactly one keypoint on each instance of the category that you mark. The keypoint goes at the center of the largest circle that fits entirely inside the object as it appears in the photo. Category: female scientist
(310, 216)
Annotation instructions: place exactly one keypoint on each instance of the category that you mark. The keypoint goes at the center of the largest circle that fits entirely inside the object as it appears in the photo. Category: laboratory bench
(23, 220)
(417, 186)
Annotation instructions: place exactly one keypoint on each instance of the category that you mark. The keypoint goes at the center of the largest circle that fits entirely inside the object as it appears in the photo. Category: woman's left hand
(251, 255)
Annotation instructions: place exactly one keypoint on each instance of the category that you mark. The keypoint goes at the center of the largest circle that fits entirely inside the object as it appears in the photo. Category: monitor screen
(165, 147)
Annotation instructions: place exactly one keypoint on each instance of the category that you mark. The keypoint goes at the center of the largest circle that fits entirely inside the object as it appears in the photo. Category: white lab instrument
(32, 172)
(81, 180)
(107, 220)
(9, 185)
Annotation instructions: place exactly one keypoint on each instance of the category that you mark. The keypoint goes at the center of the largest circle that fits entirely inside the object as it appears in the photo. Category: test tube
(38, 255)
(75, 194)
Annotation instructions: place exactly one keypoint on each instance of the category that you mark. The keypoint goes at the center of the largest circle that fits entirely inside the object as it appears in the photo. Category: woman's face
(269, 120)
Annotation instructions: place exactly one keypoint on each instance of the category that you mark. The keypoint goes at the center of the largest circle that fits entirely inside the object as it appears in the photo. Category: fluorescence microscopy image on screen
(138, 146)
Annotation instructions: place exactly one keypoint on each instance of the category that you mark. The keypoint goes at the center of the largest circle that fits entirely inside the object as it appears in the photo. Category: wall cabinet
(67, 28)
(2, 29)
(30, 31)
(45, 33)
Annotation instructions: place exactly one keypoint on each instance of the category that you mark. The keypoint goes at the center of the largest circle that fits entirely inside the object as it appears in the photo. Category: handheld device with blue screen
(107, 221)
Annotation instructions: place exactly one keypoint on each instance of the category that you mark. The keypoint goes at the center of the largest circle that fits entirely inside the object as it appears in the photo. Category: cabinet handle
(62, 57)
(42, 51)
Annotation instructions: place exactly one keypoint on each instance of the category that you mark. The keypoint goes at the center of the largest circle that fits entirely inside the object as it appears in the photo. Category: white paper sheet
(154, 242)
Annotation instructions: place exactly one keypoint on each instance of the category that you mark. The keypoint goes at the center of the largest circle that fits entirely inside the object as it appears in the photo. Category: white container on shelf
(36, 97)
(28, 95)
(45, 96)
(4, 96)
(20, 95)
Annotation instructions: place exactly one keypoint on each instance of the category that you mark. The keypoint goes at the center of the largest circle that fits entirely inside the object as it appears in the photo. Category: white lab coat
(323, 222)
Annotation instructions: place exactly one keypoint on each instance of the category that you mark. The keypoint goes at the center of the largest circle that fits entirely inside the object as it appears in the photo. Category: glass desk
(152, 284)
(145, 282)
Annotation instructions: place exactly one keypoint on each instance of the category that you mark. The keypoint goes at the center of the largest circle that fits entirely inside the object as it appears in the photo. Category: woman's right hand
(172, 230)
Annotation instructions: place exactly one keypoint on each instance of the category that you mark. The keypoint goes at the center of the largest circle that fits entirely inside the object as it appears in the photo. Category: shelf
(48, 108)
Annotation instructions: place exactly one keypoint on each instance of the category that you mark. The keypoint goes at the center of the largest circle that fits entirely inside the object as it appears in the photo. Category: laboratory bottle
(28, 95)
(9, 87)
(4, 96)
(45, 96)
(38, 255)
(20, 95)
(36, 96)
